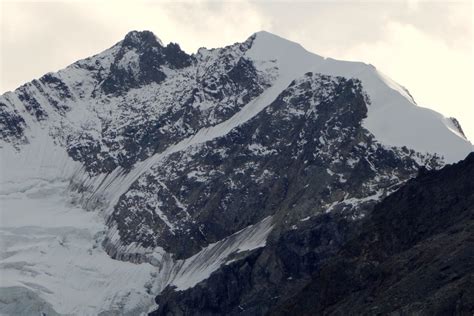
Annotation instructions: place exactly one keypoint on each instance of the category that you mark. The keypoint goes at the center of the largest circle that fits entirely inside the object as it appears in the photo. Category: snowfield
(50, 247)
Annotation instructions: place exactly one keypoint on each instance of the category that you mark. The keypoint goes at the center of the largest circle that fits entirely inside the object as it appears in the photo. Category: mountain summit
(143, 169)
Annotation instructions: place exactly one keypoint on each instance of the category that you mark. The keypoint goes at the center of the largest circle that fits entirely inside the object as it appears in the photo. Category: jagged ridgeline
(151, 169)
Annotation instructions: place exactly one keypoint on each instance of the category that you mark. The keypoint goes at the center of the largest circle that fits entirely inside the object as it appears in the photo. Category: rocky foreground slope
(145, 169)
(412, 255)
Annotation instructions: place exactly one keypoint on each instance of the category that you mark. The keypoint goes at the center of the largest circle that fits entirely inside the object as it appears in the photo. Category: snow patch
(200, 266)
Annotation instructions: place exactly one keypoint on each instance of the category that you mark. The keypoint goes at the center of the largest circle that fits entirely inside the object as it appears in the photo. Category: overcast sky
(425, 46)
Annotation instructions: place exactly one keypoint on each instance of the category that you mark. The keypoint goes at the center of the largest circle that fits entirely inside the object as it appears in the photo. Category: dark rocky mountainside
(325, 158)
(412, 255)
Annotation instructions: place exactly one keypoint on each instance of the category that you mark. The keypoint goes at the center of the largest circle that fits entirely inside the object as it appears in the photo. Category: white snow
(260, 150)
(200, 266)
(165, 219)
(356, 201)
(199, 176)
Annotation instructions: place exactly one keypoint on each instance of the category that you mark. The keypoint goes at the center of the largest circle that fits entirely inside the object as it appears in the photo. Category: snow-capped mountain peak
(141, 38)
(187, 163)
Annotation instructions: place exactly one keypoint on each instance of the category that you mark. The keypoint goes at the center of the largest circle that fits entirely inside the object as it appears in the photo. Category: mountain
(144, 170)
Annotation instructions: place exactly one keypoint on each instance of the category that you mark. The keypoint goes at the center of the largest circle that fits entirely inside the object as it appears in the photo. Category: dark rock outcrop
(458, 126)
(12, 125)
(139, 62)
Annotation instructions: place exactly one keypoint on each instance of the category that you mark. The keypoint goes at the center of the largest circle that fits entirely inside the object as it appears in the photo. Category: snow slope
(52, 247)
(393, 117)
(51, 257)
(200, 266)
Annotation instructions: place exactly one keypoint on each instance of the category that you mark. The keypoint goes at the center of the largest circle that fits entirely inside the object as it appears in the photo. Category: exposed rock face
(457, 126)
(135, 99)
(12, 125)
(329, 161)
(139, 62)
(412, 255)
